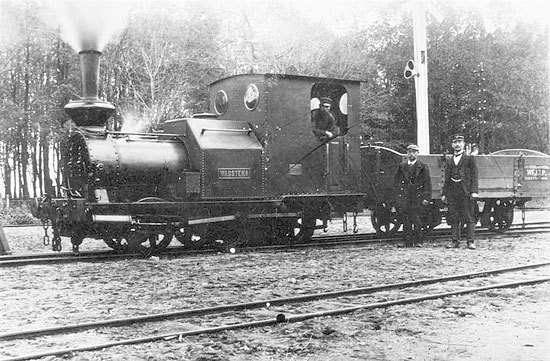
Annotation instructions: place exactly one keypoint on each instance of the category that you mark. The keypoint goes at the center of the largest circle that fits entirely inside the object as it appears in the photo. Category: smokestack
(89, 70)
(89, 110)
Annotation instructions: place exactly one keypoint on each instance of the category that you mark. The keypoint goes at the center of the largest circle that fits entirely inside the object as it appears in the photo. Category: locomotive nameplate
(234, 173)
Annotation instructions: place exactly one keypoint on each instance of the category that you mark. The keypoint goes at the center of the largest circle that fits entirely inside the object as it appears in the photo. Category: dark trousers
(461, 212)
(412, 225)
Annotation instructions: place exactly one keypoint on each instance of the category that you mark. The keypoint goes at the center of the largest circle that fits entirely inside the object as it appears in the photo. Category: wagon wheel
(385, 222)
(501, 216)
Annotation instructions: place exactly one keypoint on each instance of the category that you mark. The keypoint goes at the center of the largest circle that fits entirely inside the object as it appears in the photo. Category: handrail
(226, 130)
(152, 134)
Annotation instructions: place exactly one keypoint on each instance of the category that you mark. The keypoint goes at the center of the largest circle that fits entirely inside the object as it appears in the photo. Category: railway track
(270, 312)
(437, 235)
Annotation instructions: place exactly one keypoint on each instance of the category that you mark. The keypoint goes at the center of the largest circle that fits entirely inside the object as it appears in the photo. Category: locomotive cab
(279, 108)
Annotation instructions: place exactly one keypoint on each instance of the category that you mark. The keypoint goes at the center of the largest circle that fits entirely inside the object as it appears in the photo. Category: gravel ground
(506, 324)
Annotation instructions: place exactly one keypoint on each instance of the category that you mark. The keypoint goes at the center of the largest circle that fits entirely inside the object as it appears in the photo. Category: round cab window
(220, 103)
(251, 97)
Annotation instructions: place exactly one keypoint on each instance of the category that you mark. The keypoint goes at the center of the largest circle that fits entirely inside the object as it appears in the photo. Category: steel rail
(89, 256)
(317, 241)
(56, 255)
(280, 318)
(437, 234)
(64, 259)
(365, 239)
(259, 304)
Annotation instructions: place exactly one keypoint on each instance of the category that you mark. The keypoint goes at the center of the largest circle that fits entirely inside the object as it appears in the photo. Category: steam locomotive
(250, 173)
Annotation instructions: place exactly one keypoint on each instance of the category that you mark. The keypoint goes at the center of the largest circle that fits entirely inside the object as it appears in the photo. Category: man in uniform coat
(324, 123)
(414, 190)
(460, 190)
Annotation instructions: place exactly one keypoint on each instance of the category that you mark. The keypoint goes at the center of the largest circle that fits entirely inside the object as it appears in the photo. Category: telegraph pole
(421, 78)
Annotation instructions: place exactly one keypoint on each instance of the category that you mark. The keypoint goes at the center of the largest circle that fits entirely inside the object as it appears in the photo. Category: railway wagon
(250, 172)
(507, 179)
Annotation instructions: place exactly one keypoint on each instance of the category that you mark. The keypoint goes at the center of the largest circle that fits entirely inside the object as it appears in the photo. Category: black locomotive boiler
(252, 172)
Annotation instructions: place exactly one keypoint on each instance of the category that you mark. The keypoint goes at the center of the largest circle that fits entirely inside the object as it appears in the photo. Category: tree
(488, 85)
(160, 67)
(520, 113)
(490, 82)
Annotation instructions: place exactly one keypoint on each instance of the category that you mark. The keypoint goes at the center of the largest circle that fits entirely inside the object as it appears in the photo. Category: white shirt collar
(457, 158)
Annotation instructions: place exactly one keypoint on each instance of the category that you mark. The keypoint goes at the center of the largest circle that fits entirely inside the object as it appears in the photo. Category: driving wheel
(149, 243)
(306, 229)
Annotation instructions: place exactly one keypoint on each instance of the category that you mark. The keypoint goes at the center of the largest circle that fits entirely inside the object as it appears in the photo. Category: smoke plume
(87, 24)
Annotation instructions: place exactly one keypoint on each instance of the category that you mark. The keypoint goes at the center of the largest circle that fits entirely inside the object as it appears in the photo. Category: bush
(17, 216)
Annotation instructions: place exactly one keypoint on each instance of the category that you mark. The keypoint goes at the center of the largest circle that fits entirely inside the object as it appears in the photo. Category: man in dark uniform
(324, 124)
(414, 190)
(460, 190)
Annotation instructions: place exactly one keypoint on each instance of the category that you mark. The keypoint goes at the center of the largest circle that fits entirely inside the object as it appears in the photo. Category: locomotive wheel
(119, 244)
(306, 229)
(221, 238)
(256, 232)
(385, 222)
(77, 236)
(225, 238)
(190, 238)
(268, 232)
(284, 231)
(149, 243)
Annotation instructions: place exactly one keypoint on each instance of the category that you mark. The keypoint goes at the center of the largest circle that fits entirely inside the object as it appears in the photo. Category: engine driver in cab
(324, 123)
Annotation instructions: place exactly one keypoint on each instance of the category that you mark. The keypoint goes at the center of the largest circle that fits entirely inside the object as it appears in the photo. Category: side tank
(225, 155)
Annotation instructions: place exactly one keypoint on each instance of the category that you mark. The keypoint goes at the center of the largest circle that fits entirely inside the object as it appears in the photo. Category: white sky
(537, 10)
(334, 12)
(341, 16)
